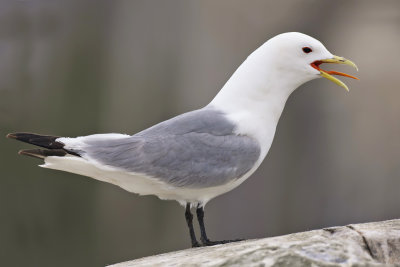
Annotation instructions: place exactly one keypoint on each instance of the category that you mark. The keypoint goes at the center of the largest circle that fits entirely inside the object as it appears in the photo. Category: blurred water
(80, 67)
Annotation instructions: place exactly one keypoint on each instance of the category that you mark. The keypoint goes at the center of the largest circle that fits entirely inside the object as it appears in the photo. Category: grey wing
(189, 156)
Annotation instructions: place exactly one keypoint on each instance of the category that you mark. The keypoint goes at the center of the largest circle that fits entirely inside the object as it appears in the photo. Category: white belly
(140, 184)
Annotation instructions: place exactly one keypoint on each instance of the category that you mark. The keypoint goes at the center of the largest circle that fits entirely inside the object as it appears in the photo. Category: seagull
(201, 154)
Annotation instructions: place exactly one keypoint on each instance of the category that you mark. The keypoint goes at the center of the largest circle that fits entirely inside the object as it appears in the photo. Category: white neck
(255, 95)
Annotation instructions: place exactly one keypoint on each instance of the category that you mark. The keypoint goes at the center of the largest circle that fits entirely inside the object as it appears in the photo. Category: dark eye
(307, 50)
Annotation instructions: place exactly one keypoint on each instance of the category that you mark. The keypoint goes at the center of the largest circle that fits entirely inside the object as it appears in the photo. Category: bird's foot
(207, 242)
(196, 244)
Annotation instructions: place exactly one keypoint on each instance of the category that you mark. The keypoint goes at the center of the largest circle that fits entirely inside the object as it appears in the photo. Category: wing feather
(196, 149)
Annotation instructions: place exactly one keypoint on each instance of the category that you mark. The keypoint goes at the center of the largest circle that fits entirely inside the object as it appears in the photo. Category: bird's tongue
(332, 72)
(316, 64)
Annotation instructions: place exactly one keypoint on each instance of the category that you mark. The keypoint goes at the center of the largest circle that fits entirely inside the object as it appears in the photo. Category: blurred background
(73, 68)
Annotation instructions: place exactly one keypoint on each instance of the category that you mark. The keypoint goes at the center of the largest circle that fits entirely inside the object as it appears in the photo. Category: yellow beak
(328, 74)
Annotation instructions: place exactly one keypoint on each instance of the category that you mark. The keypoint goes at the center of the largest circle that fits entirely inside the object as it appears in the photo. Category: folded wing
(196, 149)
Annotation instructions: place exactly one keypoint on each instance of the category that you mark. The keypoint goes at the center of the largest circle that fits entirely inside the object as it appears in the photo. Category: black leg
(189, 221)
(204, 239)
(200, 217)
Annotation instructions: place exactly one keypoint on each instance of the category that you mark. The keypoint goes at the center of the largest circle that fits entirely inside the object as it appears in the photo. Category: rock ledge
(369, 244)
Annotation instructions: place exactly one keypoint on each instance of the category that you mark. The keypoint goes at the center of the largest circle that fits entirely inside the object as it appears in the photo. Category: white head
(298, 56)
(272, 72)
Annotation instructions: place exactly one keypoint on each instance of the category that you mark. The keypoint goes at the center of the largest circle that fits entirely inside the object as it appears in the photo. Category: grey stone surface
(369, 244)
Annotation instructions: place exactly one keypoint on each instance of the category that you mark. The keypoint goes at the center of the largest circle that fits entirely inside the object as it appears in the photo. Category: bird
(199, 155)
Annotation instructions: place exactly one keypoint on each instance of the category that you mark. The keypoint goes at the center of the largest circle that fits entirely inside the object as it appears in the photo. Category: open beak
(328, 74)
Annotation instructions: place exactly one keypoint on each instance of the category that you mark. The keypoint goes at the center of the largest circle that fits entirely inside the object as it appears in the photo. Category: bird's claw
(196, 245)
(207, 242)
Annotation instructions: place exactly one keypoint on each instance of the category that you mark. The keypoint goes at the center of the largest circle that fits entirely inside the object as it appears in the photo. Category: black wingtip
(24, 137)
(31, 153)
(42, 153)
(11, 136)
(46, 141)
(54, 148)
